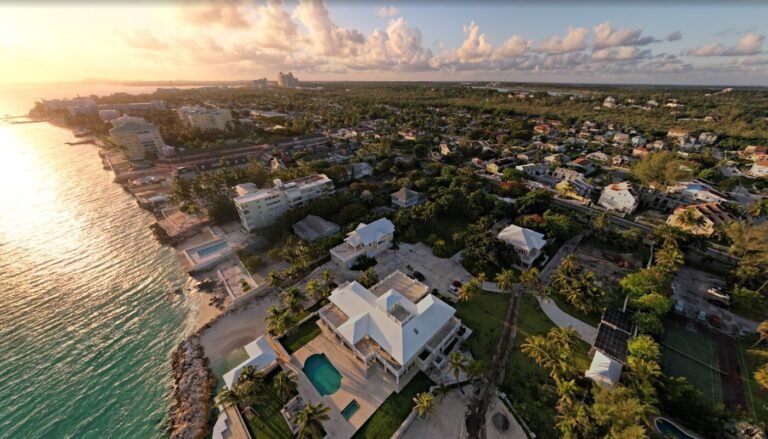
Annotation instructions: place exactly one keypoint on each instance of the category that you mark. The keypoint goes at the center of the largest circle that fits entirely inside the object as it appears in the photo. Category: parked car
(702, 316)
(455, 286)
(715, 321)
(718, 294)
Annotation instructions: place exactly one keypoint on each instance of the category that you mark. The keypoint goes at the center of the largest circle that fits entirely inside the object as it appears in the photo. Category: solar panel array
(612, 342)
(618, 319)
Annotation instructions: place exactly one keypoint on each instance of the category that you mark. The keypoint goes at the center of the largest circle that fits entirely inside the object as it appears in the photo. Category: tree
(424, 403)
(227, 398)
(506, 280)
(285, 385)
(368, 278)
(690, 218)
(531, 279)
(469, 289)
(669, 258)
(762, 332)
(601, 225)
(310, 421)
(553, 351)
(328, 277)
(315, 289)
(275, 279)
(645, 281)
(457, 364)
(278, 320)
(747, 299)
(758, 209)
(644, 347)
(293, 300)
(659, 169)
(667, 235)
(618, 411)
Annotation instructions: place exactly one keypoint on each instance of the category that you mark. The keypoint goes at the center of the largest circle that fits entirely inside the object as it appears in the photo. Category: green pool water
(322, 374)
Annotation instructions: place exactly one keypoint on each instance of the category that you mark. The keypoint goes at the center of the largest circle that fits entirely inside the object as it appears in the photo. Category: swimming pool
(207, 251)
(350, 409)
(322, 374)
(667, 428)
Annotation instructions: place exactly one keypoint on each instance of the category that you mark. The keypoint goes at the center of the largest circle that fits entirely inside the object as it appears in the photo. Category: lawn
(525, 381)
(269, 422)
(395, 409)
(304, 333)
(592, 319)
(751, 359)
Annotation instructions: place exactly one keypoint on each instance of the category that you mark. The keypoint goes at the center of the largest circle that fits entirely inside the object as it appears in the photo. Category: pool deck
(369, 391)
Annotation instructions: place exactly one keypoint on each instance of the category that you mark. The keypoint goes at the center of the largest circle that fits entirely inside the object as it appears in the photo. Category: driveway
(690, 287)
(438, 272)
(448, 420)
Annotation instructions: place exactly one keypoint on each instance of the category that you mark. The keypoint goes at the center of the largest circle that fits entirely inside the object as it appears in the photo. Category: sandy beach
(236, 329)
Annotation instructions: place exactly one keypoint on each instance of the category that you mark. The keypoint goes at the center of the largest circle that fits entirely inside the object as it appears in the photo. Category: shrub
(363, 262)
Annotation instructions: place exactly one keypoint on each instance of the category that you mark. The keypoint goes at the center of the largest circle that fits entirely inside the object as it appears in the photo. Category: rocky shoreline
(193, 387)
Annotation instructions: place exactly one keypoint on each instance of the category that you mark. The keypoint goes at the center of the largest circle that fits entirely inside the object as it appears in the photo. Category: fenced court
(694, 356)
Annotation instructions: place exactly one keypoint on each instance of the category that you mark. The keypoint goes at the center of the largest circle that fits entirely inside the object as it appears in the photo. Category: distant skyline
(594, 42)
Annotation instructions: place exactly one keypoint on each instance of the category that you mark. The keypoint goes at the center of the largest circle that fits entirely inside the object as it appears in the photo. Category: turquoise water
(350, 409)
(668, 429)
(322, 374)
(203, 252)
(87, 322)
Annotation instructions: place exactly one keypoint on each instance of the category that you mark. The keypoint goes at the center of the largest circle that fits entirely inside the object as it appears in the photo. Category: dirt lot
(606, 264)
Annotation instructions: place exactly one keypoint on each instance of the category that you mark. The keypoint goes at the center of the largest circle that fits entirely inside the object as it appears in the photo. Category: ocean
(88, 305)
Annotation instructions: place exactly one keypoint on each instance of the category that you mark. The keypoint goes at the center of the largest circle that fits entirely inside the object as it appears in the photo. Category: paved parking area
(438, 272)
(690, 287)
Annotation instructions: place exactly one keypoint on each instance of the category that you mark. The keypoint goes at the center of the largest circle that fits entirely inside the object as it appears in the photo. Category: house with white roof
(366, 239)
(759, 169)
(619, 197)
(395, 324)
(261, 355)
(527, 243)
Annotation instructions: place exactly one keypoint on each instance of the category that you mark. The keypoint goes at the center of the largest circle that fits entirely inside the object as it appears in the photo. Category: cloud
(733, 31)
(274, 27)
(675, 36)
(144, 39)
(225, 13)
(605, 36)
(574, 40)
(749, 44)
(398, 46)
(619, 53)
(325, 36)
(513, 47)
(387, 11)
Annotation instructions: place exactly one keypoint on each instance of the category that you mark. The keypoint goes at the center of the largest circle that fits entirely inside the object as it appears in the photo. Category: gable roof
(399, 326)
(522, 238)
(367, 233)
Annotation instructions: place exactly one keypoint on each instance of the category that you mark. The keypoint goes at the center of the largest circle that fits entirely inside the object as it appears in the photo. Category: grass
(304, 333)
(748, 312)
(592, 319)
(701, 348)
(269, 422)
(395, 409)
(751, 359)
(525, 380)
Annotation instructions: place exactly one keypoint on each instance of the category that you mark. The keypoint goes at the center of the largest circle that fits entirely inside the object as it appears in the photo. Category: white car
(719, 295)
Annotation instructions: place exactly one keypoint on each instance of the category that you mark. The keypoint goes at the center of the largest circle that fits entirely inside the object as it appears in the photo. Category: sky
(632, 42)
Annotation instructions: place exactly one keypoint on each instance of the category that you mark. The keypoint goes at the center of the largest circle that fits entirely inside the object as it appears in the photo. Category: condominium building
(287, 80)
(259, 208)
(205, 118)
(137, 138)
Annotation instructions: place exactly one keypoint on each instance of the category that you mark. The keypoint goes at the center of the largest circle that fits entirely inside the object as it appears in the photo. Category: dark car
(715, 321)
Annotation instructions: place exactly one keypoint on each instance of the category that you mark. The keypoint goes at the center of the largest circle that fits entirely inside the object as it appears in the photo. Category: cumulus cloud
(513, 47)
(324, 35)
(144, 39)
(749, 44)
(387, 11)
(574, 40)
(606, 36)
(675, 36)
(226, 13)
(274, 27)
(398, 46)
(619, 53)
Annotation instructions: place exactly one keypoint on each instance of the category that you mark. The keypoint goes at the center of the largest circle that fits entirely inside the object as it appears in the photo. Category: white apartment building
(259, 208)
(205, 118)
(137, 138)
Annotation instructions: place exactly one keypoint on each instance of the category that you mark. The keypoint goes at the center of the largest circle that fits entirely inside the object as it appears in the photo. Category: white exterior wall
(138, 142)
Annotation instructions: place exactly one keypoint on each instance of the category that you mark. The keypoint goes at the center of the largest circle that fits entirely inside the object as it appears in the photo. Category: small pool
(207, 251)
(322, 374)
(667, 428)
(350, 409)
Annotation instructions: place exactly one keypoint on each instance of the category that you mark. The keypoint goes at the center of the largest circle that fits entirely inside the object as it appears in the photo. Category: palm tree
(275, 279)
(328, 277)
(468, 290)
(227, 398)
(666, 234)
(691, 218)
(669, 258)
(314, 289)
(310, 421)
(506, 280)
(293, 300)
(762, 332)
(424, 403)
(758, 209)
(475, 369)
(277, 320)
(285, 384)
(600, 224)
(456, 365)
(531, 279)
